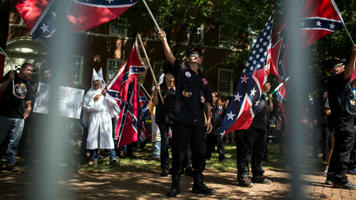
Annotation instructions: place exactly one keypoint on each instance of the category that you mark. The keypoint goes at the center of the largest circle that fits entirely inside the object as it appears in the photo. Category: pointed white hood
(98, 76)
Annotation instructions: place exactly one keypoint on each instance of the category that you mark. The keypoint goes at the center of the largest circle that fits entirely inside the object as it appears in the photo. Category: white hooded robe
(99, 114)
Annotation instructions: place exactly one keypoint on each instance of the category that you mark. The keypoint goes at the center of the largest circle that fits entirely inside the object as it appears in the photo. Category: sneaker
(261, 179)
(348, 185)
(245, 182)
(164, 172)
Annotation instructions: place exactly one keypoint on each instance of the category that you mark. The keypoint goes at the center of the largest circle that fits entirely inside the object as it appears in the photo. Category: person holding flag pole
(340, 102)
(193, 97)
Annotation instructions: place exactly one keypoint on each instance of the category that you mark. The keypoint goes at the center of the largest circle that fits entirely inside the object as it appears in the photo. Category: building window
(225, 83)
(196, 34)
(223, 37)
(118, 27)
(75, 64)
(113, 65)
(158, 69)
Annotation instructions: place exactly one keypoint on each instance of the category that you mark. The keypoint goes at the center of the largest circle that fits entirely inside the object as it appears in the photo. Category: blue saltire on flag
(143, 105)
(246, 98)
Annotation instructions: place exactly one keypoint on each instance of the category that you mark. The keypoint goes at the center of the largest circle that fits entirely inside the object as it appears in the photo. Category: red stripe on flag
(31, 11)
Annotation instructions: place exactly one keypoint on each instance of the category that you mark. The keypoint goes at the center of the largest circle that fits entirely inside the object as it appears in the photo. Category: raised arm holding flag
(192, 95)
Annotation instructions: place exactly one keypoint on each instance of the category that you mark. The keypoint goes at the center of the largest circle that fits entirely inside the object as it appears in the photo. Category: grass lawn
(145, 162)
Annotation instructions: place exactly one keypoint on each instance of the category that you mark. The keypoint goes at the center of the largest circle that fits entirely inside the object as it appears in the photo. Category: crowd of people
(186, 117)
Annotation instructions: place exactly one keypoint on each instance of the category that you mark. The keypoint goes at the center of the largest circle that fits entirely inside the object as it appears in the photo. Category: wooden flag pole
(149, 66)
(12, 68)
(342, 20)
(153, 18)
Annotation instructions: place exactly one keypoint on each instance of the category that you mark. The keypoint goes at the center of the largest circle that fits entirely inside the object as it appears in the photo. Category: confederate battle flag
(40, 15)
(123, 87)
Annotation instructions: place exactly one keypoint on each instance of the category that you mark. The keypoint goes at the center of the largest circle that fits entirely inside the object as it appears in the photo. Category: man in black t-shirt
(343, 122)
(193, 96)
(163, 118)
(15, 106)
(251, 143)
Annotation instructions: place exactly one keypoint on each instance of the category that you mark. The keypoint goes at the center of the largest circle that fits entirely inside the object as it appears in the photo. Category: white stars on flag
(253, 92)
(248, 90)
(318, 23)
(237, 97)
(230, 116)
(244, 79)
(332, 26)
(44, 28)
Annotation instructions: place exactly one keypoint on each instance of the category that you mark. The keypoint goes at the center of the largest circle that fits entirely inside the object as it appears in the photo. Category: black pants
(212, 141)
(164, 128)
(184, 134)
(250, 146)
(352, 164)
(344, 138)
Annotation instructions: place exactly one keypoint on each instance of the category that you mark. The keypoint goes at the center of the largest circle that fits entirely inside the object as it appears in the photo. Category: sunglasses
(194, 55)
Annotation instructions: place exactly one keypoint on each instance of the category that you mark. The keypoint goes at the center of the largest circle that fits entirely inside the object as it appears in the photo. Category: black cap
(336, 61)
(196, 49)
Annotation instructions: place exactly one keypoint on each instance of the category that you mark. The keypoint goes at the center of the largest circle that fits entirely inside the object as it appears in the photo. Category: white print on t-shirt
(20, 91)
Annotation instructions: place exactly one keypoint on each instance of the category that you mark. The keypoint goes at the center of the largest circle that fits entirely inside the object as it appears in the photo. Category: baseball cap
(196, 49)
(336, 61)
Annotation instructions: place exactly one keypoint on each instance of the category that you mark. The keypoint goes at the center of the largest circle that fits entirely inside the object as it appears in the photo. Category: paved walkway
(149, 185)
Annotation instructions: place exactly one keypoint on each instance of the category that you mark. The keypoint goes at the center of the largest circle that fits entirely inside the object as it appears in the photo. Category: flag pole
(153, 18)
(280, 85)
(12, 69)
(149, 66)
(145, 91)
(342, 20)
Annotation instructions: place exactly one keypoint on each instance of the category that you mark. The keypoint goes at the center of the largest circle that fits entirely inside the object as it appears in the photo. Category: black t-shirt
(261, 117)
(13, 105)
(192, 90)
(164, 112)
(337, 93)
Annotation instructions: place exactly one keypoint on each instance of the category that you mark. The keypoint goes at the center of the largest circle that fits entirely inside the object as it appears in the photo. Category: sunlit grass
(144, 161)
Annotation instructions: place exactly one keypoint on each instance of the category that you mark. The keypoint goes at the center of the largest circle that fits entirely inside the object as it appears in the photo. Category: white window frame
(121, 26)
(158, 69)
(77, 81)
(229, 81)
(112, 69)
(222, 38)
(199, 31)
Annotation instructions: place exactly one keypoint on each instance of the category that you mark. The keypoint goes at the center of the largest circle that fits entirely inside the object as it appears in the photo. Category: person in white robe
(99, 109)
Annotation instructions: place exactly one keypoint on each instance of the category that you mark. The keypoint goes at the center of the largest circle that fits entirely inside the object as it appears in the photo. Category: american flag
(246, 98)
(123, 87)
(40, 15)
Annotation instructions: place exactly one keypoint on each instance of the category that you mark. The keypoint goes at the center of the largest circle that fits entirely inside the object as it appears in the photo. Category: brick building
(108, 45)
